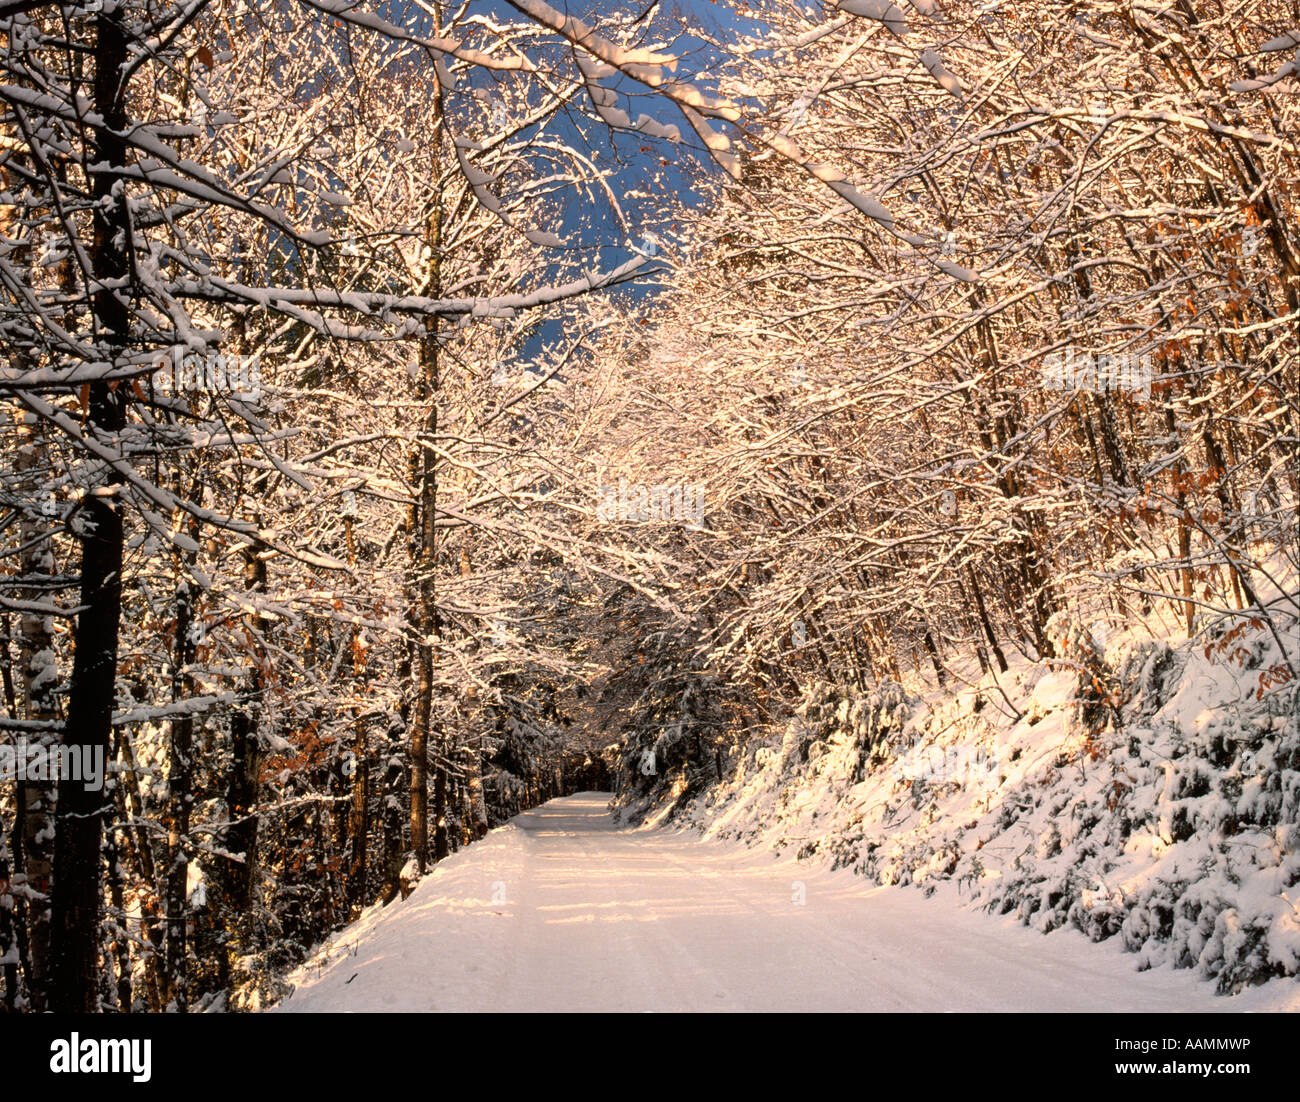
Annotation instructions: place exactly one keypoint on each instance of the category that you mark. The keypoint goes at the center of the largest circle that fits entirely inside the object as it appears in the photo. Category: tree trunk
(179, 799)
(120, 942)
(8, 935)
(983, 615)
(424, 563)
(77, 890)
(33, 852)
(238, 876)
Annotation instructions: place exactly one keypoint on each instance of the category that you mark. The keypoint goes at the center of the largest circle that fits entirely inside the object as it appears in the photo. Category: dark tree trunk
(76, 902)
(394, 776)
(120, 942)
(424, 556)
(933, 652)
(33, 836)
(360, 824)
(358, 814)
(985, 624)
(179, 800)
(8, 934)
(238, 873)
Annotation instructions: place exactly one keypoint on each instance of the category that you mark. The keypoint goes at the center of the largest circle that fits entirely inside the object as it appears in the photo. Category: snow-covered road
(560, 910)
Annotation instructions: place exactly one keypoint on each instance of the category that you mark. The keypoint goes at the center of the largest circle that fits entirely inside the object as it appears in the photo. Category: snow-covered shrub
(1163, 809)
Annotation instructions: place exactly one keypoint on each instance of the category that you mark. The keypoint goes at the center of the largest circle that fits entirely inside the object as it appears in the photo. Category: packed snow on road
(560, 910)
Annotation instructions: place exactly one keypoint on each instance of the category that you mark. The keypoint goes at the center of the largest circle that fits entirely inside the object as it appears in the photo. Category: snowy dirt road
(559, 910)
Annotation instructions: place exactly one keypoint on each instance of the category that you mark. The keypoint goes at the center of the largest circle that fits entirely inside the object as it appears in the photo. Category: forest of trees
(352, 499)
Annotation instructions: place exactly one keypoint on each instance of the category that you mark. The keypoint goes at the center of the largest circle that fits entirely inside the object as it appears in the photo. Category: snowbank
(1152, 795)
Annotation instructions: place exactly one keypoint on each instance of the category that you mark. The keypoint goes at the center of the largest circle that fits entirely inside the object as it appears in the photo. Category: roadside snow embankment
(1155, 798)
